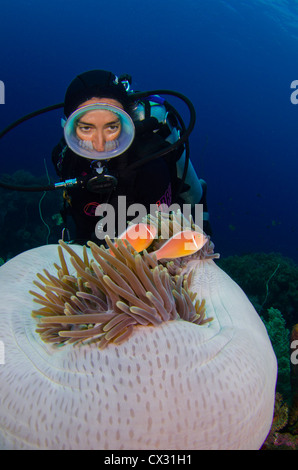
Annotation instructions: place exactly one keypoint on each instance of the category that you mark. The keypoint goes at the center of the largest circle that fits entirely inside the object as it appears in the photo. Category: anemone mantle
(177, 385)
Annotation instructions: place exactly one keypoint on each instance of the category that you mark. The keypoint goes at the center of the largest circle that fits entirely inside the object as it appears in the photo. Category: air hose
(134, 97)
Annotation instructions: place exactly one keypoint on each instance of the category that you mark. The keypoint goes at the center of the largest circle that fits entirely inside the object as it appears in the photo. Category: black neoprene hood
(95, 83)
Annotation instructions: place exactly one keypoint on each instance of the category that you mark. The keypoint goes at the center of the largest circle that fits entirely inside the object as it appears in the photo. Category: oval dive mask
(109, 121)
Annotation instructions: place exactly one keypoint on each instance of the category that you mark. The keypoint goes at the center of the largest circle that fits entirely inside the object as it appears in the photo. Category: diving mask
(115, 127)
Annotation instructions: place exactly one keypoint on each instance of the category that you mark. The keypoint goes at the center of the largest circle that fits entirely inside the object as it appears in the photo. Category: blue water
(234, 59)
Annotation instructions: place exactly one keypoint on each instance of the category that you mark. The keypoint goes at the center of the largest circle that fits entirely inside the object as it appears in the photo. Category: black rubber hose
(186, 133)
(13, 187)
(134, 96)
(29, 116)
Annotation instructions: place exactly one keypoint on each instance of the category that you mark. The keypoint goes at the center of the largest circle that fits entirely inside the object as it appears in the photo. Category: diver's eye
(113, 128)
(85, 128)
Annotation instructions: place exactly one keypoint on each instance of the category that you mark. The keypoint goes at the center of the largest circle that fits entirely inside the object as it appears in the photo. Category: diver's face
(99, 126)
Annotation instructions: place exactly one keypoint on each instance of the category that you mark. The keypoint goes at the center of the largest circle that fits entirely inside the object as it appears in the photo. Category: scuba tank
(192, 191)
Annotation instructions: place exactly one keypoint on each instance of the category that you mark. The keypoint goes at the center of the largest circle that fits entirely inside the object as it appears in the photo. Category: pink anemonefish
(182, 244)
(140, 236)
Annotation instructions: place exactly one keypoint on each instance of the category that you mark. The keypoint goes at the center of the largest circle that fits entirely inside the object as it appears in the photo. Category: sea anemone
(175, 383)
(112, 294)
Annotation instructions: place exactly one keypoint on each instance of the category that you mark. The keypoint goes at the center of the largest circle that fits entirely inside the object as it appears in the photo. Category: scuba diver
(121, 143)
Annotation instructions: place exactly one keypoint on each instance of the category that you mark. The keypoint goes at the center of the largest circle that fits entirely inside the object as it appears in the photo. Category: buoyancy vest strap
(147, 108)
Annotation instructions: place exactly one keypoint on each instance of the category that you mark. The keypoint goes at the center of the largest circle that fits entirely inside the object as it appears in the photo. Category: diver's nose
(99, 142)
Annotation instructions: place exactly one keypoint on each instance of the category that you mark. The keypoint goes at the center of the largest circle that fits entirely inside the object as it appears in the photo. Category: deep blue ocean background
(234, 59)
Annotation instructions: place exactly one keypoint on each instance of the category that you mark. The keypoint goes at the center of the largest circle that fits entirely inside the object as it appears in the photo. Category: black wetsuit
(152, 183)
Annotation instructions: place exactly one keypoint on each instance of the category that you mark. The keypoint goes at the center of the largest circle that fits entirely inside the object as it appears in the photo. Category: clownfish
(140, 236)
(182, 244)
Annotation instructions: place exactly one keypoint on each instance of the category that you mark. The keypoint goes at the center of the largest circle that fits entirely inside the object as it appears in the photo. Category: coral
(280, 337)
(294, 359)
(267, 288)
(20, 214)
(281, 413)
(268, 279)
(293, 417)
(281, 436)
(284, 441)
(57, 218)
(271, 282)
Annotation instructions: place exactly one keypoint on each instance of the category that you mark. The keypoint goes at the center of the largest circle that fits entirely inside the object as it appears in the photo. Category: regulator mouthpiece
(102, 118)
